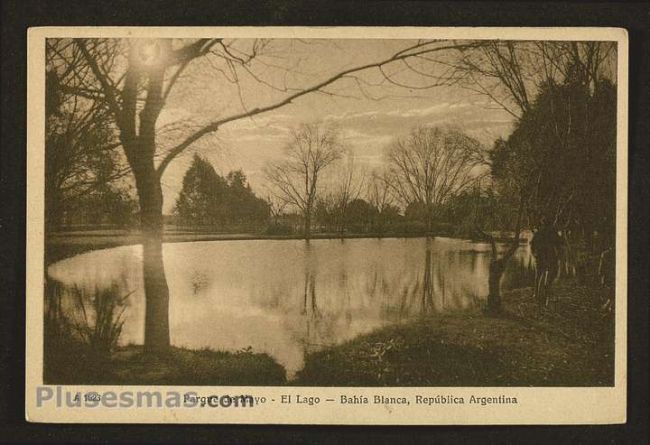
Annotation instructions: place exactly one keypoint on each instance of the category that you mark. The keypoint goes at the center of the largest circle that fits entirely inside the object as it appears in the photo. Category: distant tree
(276, 207)
(243, 206)
(477, 205)
(350, 181)
(105, 204)
(206, 198)
(202, 200)
(325, 212)
(379, 191)
(388, 216)
(359, 215)
(416, 211)
(381, 197)
(430, 165)
(295, 180)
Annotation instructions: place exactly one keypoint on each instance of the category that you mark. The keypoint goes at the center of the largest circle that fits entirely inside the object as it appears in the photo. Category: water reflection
(287, 298)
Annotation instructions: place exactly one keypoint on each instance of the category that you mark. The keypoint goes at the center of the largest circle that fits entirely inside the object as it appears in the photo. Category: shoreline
(60, 246)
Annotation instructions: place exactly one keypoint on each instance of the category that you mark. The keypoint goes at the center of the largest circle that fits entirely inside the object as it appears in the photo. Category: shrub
(94, 319)
(279, 229)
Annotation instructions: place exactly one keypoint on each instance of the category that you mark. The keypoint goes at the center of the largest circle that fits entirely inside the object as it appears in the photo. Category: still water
(290, 297)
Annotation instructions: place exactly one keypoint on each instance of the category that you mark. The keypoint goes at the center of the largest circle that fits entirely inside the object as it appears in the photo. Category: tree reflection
(317, 330)
(310, 306)
(427, 285)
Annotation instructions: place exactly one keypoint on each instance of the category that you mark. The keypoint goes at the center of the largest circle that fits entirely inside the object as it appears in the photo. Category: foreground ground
(570, 343)
(130, 366)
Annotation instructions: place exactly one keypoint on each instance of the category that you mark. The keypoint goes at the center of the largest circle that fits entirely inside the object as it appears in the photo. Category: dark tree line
(83, 172)
(358, 216)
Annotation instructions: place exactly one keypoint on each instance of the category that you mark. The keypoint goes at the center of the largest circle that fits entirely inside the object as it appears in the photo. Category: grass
(571, 345)
(131, 366)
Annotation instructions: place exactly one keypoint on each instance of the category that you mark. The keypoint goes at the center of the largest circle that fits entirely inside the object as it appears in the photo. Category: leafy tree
(243, 205)
(325, 212)
(557, 168)
(106, 204)
(203, 195)
(562, 157)
(464, 210)
(208, 199)
(359, 215)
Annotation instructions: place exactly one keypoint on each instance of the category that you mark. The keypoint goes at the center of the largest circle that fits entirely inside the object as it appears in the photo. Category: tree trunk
(427, 285)
(156, 324)
(140, 150)
(497, 267)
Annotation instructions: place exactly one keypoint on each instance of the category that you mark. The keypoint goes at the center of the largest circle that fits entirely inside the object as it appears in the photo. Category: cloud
(367, 128)
(380, 127)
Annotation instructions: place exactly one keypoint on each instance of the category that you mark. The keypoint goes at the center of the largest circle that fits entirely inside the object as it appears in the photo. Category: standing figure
(546, 247)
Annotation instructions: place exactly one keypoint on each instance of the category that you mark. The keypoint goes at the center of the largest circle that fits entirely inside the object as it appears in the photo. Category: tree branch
(214, 126)
(109, 92)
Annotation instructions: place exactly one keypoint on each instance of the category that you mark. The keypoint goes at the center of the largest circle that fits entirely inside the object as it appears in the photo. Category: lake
(290, 297)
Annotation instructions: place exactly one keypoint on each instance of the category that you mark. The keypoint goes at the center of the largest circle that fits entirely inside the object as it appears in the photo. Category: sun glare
(149, 53)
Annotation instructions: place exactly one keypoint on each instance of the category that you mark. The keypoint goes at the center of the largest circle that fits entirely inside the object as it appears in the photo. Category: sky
(369, 112)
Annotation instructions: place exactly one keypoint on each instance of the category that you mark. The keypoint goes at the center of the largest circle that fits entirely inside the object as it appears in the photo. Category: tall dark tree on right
(559, 164)
(562, 153)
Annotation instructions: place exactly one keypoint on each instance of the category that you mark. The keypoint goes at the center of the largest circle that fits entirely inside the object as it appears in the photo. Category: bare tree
(80, 141)
(135, 77)
(431, 165)
(276, 207)
(349, 183)
(380, 195)
(295, 179)
(379, 191)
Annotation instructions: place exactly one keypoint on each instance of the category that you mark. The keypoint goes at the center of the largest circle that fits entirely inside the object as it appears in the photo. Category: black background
(18, 15)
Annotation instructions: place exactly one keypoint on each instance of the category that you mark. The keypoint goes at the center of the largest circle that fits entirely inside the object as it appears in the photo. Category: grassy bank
(568, 345)
(129, 365)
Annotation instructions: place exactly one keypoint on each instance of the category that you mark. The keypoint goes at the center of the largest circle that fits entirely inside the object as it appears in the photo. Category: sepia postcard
(345, 225)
